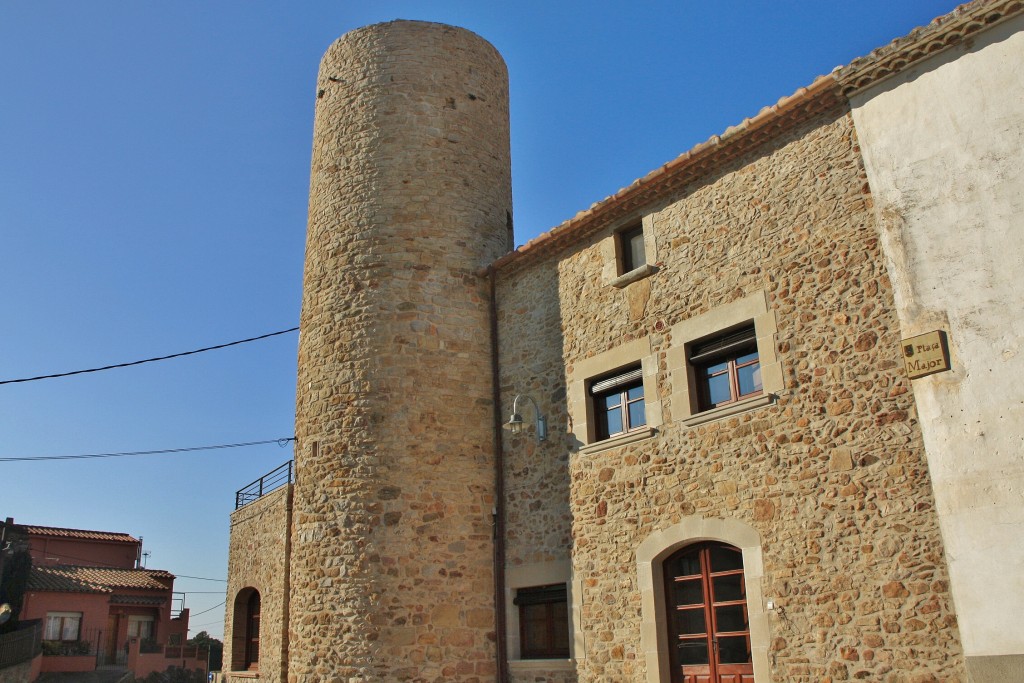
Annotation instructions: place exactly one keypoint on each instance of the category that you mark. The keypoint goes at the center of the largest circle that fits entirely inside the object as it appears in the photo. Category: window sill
(542, 664)
(729, 410)
(621, 440)
(640, 273)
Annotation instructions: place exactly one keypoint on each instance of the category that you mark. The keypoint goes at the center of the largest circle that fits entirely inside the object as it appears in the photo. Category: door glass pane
(728, 587)
(686, 565)
(731, 618)
(688, 592)
(636, 415)
(693, 652)
(749, 378)
(733, 650)
(724, 558)
(690, 622)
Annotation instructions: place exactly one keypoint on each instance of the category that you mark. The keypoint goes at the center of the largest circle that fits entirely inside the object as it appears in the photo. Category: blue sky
(154, 169)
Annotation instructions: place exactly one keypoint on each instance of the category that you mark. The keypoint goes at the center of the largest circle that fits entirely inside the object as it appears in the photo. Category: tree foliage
(216, 648)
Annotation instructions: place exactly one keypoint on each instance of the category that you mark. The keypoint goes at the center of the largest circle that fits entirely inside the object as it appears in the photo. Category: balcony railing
(270, 481)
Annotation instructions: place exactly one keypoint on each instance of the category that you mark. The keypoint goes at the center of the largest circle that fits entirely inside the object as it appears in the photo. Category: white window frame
(134, 622)
(64, 618)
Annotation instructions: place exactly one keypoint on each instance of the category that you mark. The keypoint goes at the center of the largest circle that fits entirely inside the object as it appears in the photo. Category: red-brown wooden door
(252, 632)
(709, 634)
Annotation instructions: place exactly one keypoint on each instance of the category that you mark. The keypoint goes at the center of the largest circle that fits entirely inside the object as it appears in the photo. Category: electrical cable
(147, 360)
(280, 442)
(205, 610)
(200, 578)
(192, 627)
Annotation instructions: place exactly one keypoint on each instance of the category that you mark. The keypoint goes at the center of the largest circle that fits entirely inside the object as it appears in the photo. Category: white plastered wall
(942, 144)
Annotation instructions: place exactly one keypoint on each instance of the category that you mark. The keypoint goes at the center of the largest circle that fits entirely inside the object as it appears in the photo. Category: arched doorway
(245, 636)
(706, 605)
(252, 631)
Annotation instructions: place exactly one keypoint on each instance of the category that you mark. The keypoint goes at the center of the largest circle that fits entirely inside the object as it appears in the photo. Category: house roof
(72, 579)
(826, 93)
(60, 532)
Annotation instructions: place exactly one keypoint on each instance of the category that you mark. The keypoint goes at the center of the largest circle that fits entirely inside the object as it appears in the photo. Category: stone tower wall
(410, 195)
(258, 560)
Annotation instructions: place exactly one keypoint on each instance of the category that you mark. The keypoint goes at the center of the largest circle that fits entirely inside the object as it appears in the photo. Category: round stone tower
(391, 562)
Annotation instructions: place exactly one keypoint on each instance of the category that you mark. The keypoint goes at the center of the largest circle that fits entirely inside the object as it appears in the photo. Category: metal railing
(21, 645)
(270, 481)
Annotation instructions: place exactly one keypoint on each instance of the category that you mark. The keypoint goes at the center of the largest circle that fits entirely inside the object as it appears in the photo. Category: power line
(280, 442)
(148, 360)
(206, 610)
(192, 627)
(200, 578)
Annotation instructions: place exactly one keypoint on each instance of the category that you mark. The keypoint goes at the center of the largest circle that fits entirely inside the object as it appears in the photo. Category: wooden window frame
(549, 597)
(628, 239)
(618, 384)
(726, 347)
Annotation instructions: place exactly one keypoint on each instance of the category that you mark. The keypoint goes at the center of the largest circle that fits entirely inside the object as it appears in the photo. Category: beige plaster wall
(943, 146)
(258, 558)
(829, 473)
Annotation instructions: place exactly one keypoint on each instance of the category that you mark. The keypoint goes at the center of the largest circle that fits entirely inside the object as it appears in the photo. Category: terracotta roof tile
(78, 533)
(71, 579)
(942, 33)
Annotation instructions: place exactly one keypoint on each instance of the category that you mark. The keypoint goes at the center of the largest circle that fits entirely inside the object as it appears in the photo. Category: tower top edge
(413, 25)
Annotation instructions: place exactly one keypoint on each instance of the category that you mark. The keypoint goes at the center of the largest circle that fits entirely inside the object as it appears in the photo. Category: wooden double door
(709, 632)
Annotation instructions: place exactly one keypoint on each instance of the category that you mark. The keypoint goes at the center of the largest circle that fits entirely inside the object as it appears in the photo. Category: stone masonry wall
(258, 558)
(832, 475)
(537, 509)
(410, 195)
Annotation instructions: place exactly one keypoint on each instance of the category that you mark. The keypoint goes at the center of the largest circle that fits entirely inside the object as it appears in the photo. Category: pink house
(98, 606)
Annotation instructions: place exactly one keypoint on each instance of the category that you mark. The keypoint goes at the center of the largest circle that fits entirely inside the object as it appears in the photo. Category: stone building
(779, 378)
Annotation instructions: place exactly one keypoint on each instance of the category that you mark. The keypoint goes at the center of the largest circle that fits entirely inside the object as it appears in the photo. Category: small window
(140, 627)
(726, 368)
(619, 403)
(632, 251)
(543, 622)
(63, 626)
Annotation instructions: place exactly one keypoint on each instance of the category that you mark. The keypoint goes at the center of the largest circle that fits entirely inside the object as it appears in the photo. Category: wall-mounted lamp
(515, 423)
